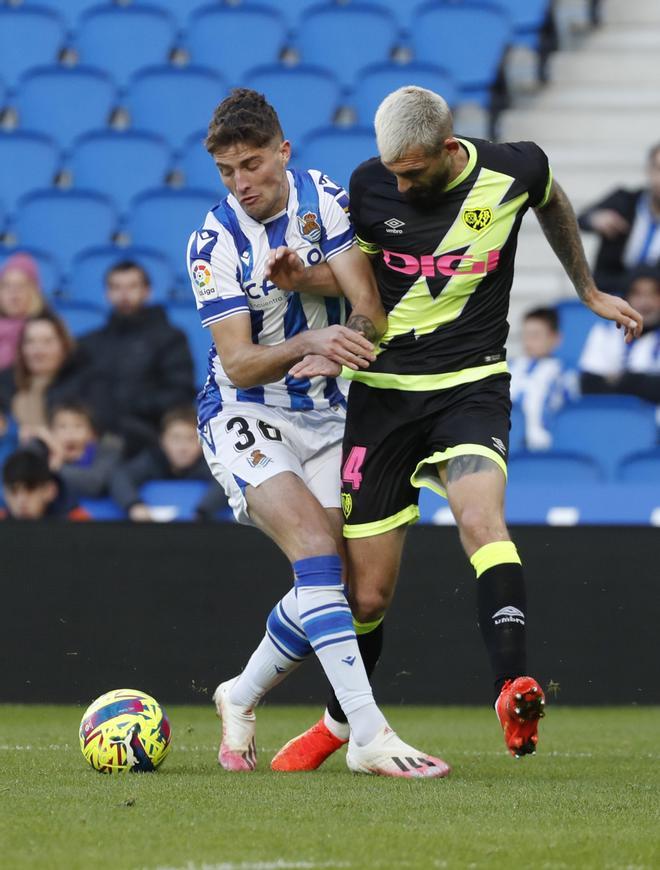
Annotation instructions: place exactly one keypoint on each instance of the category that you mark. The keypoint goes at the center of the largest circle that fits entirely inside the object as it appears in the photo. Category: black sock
(501, 609)
(370, 645)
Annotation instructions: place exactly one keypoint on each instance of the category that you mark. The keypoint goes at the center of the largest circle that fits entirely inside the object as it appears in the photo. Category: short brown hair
(74, 407)
(22, 374)
(128, 266)
(181, 414)
(246, 117)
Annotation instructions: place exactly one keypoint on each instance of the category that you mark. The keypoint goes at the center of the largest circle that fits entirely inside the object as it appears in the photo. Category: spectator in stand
(177, 457)
(143, 361)
(628, 223)
(32, 491)
(84, 459)
(609, 365)
(537, 379)
(49, 369)
(20, 298)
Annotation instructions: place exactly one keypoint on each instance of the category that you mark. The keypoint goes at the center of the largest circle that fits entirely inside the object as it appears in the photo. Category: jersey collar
(469, 166)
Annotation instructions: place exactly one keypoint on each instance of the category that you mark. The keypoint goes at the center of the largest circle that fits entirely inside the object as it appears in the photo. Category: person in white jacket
(609, 365)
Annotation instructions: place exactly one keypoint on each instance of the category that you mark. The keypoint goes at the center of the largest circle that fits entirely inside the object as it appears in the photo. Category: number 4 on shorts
(351, 471)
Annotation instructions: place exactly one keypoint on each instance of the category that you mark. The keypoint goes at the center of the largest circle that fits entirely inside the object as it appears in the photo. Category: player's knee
(481, 525)
(369, 605)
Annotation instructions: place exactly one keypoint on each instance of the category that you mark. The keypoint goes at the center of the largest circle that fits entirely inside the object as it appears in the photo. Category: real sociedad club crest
(477, 219)
(309, 226)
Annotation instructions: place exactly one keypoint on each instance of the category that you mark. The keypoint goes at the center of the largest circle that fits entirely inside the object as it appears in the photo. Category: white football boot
(238, 750)
(388, 755)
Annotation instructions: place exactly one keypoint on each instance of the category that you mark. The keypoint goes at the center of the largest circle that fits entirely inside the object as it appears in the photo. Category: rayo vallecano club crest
(477, 218)
(309, 226)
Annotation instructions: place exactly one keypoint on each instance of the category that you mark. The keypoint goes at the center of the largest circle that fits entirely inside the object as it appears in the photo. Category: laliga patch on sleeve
(203, 283)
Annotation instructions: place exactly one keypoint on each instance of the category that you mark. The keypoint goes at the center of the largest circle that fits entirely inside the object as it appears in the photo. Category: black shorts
(394, 440)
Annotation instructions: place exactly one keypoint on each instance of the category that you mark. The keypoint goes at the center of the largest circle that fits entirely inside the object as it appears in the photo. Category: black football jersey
(445, 275)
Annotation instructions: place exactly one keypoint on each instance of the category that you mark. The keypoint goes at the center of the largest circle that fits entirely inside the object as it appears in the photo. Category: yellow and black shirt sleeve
(365, 243)
(534, 171)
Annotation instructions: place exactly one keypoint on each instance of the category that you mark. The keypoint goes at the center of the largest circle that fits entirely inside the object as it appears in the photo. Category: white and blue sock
(283, 648)
(328, 623)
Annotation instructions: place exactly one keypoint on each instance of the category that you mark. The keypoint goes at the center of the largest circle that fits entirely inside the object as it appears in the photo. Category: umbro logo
(349, 660)
(394, 226)
(509, 614)
(280, 670)
(498, 444)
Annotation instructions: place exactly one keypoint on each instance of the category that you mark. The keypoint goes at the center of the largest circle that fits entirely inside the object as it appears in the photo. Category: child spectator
(536, 377)
(32, 491)
(177, 457)
(20, 298)
(609, 365)
(143, 361)
(84, 459)
(48, 370)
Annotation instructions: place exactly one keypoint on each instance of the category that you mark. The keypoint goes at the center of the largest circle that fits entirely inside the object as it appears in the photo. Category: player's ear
(285, 152)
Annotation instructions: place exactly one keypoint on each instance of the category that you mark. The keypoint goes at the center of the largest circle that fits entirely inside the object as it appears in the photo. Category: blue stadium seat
(80, 319)
(28, 38)
(173, 102)
(378, 81)
(164, 220)
(29, 162)
(317, 97)
(198, 167)
(345, 39)
(173, 499)
(517, 433)
(103, 509)
(70, 11)
(337, 152)
(87, 281)
(63, 223)
(575, 322)
(64, 102)
(607, 434)
(295, 11)
(120, 165)
(185, 316)
(49, 269)
(479, 35)
(123, 40)
(554, 467)
(641, 468)
(232, 40)
(527, 18)
(181, 11)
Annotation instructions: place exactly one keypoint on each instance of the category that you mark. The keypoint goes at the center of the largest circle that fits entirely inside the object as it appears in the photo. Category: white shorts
(248, 443)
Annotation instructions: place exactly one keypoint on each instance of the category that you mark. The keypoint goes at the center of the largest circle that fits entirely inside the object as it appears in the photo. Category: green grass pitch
(589, 799)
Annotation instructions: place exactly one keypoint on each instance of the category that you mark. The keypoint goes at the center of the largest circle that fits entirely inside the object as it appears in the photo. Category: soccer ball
(124, 730)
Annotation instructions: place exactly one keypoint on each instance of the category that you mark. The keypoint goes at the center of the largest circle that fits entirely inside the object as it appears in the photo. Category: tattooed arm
(559, 225)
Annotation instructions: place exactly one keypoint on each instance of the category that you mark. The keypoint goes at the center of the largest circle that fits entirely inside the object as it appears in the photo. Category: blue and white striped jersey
(226, 262)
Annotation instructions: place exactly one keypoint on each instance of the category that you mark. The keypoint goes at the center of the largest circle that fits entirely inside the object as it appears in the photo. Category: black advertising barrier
(172, 609)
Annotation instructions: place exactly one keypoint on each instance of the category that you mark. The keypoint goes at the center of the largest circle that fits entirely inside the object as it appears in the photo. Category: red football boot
(307, 751)
(519, 708)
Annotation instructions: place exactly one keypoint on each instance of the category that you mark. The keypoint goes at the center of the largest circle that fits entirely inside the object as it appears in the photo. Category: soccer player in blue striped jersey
(272, 440)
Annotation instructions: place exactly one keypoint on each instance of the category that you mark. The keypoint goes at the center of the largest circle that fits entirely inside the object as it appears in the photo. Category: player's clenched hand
(284, 268)
(609, 223)
(340, 345)
(315, 366)
(617, 309)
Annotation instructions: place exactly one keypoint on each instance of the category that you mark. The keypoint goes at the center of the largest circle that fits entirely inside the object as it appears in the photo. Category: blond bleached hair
(411, 117)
